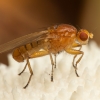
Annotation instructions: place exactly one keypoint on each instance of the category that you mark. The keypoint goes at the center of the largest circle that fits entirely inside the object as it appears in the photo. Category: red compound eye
(83, 36)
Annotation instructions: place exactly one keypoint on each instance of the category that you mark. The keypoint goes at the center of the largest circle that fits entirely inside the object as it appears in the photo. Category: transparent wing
(23, 40)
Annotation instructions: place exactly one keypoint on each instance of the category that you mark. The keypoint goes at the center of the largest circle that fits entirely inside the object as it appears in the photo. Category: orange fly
(55, 39)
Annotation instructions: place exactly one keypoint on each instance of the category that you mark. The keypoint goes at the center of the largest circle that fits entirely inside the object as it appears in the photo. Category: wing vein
(22, 41)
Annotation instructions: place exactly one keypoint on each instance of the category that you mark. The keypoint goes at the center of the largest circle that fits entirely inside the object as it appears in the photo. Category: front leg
(75, 52)
(73, 46)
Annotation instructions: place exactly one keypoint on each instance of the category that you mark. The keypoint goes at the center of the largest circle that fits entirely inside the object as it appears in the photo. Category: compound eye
(83, 36)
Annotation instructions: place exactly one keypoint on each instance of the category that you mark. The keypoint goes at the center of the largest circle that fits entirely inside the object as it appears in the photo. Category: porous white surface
(66, 85)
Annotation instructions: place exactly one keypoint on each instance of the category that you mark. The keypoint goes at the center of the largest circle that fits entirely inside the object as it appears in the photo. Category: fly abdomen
(19, 54)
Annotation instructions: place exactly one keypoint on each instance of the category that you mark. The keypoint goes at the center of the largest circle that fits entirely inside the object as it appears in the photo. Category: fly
(55, 39)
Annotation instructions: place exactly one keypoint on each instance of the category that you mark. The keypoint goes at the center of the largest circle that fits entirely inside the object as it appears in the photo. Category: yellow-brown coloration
(51, 41)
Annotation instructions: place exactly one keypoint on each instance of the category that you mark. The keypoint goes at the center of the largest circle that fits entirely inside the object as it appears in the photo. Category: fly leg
(38, 54)
(55, 60)
(52, 63)
(31, 72)
(75, 66)
(26, 55)
(23, 69)
(73, 46)
(42, 53)
(75, 52)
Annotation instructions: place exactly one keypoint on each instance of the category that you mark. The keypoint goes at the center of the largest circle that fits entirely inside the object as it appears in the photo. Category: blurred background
(18, 17)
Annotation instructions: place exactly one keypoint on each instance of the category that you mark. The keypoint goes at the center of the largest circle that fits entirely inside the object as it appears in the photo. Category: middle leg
(52, 63)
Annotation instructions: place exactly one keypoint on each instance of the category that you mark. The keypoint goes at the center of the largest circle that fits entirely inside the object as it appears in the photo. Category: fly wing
(23, 40)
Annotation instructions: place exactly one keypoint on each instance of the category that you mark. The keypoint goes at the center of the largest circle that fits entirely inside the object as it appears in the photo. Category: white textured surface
(66, 85)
